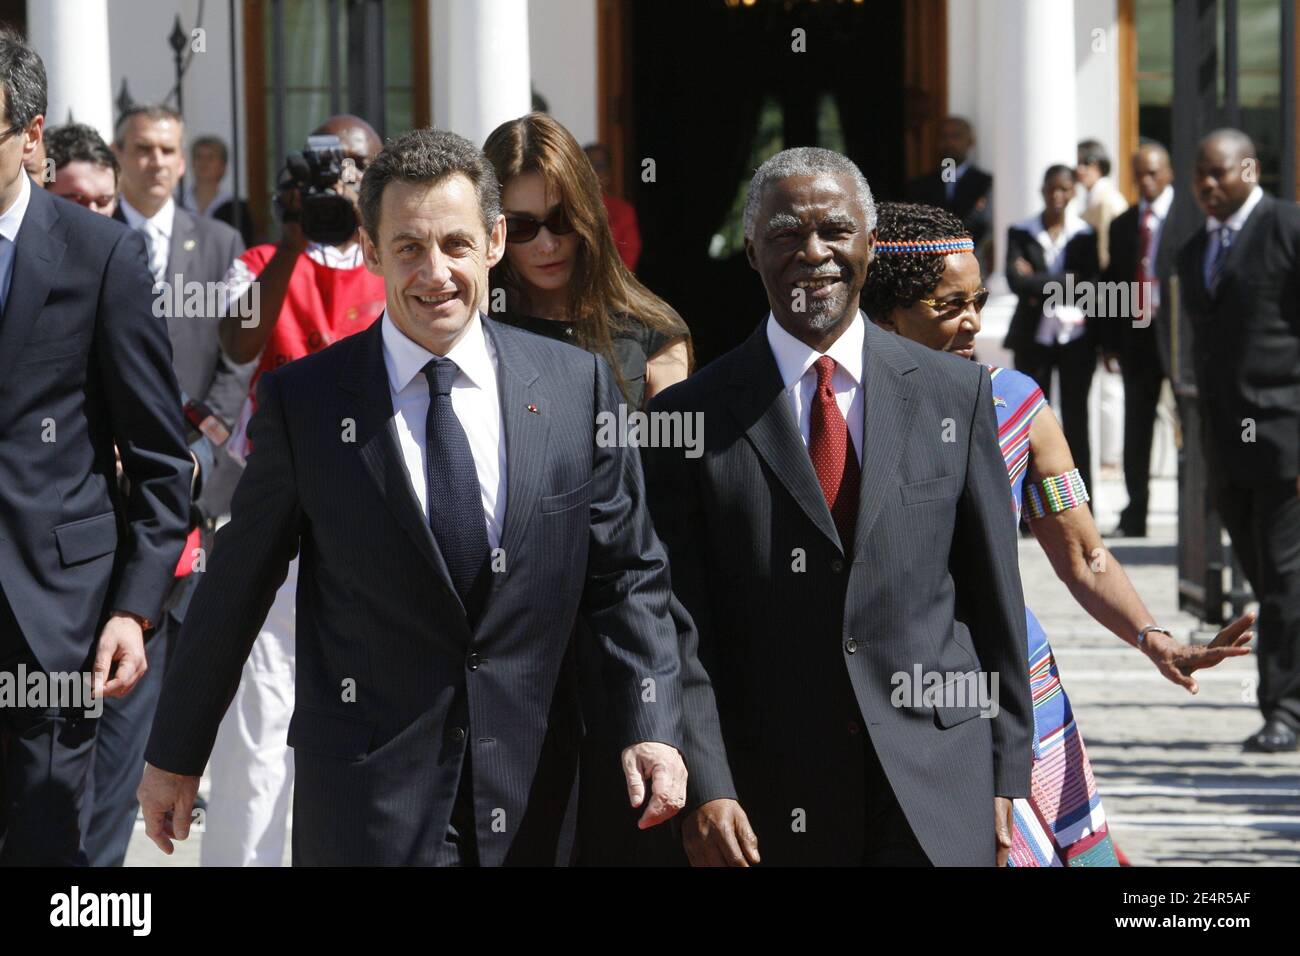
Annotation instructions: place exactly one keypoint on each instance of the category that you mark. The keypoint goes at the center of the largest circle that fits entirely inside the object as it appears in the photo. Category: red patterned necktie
(833, 456)
(1145, 272)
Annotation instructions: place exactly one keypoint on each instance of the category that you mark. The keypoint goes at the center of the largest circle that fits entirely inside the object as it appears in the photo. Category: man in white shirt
(1239, 278)
(437, 711)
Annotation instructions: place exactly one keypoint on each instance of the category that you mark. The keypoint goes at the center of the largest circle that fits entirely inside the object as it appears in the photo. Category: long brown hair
(602, 290)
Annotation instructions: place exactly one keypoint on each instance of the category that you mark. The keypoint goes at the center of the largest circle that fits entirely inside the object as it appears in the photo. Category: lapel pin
(189, 245)
(533, 409)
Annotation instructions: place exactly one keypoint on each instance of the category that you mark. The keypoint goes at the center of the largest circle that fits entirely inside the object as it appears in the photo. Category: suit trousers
(45, 758)
(890, 840)
(1143, 377)
(1264, 525)
(109, 812)
(1075, 363)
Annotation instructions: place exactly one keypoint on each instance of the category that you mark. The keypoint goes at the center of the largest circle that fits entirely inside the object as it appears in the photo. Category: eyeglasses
(951, 308)
(525, 228)
(16, 128)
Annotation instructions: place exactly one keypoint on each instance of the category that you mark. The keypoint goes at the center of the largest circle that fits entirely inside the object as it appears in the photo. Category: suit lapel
(1246, 234)
(761, 408)
(184, 244)
(525, 435)
(366, 378)
(38, 252)
(888, 411)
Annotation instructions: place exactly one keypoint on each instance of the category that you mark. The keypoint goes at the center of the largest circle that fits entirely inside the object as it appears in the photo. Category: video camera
(324, 215)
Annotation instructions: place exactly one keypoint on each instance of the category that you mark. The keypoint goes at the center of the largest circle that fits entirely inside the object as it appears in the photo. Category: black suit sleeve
(1032, 284)
(627, 601)
(989, 596)
(248, 564)
(679, 519)
(134, 358)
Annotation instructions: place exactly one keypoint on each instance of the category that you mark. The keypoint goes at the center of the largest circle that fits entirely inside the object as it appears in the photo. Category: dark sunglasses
(947, 308)
(525, 228)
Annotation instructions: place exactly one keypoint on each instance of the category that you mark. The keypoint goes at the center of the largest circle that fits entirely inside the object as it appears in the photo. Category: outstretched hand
(1178, 661)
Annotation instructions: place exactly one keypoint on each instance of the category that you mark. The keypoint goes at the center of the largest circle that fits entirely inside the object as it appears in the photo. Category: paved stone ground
(1175, 784)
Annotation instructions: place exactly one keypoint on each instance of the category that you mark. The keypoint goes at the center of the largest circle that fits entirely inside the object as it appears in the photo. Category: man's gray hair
(806, 161)
(429, 156)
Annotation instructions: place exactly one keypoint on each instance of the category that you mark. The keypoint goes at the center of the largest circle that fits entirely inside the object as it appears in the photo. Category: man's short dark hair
(1058, 169)
(428, 156)
(22, 76)
(1092, 153)
(78, 143)
(152, 111)
(211, 142)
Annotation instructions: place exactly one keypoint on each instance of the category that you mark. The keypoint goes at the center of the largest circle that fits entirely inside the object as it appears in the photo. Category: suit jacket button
(837, 565)
(853, 728)
(472, 661)
(458, 733)
(851, 646)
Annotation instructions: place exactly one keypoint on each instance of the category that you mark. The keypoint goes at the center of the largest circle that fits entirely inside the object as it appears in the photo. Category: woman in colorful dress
(924, 284)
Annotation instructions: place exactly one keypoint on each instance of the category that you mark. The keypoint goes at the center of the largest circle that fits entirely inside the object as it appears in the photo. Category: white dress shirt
(10, 222)
(474, 398)
(160, 229)
(794, 360)
(1233, 222)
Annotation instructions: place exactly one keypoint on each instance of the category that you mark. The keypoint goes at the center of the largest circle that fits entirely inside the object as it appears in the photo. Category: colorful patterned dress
(1062, 822)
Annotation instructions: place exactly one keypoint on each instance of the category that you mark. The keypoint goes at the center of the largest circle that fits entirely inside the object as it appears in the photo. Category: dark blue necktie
(1220, 258)
(8, 251)
(455, 504)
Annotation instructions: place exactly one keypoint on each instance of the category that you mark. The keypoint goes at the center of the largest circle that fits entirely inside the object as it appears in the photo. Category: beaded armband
(1055, 494)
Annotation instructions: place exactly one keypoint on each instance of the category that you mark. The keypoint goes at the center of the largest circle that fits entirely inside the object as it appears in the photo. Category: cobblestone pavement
(1176, 786)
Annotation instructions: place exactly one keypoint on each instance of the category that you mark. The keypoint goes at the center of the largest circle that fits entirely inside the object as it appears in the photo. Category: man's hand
(1002, 826)
(1022, 266)
(718, 834)
(1177, 661)
(167, 801)
(663, 767)
(122, 643)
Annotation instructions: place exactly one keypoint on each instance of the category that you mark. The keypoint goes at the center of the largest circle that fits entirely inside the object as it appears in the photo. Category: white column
(1035, 83)
(479, 65)
(71, 36)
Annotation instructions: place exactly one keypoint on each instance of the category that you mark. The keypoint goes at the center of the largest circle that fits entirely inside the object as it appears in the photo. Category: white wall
(1096, 42)
(973, 32)
(138, 50)
(562, 36)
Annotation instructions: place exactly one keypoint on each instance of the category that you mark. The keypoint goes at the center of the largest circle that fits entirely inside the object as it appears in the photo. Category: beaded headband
(925, 247)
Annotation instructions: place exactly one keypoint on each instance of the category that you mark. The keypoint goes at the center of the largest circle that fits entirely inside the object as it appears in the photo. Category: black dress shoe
(1276, 736)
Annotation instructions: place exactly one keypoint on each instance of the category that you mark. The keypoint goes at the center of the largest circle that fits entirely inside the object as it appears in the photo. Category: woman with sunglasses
(562, 273)
(924, 284)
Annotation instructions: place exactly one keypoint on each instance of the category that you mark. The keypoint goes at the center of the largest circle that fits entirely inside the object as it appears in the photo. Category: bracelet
(1058, 493)
(1142, 634)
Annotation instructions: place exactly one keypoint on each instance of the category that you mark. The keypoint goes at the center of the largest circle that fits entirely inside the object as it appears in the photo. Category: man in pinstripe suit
(439, 477)
(848, 524)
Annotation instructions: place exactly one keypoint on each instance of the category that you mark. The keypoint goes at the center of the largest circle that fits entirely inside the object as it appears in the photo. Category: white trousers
(251, 768)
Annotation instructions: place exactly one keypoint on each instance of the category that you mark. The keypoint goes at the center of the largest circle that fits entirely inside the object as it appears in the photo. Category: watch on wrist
(1142, 634)
(144, 622)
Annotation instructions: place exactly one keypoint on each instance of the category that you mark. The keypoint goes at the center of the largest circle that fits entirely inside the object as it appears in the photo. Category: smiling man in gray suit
(440, 477)
(848, 525)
